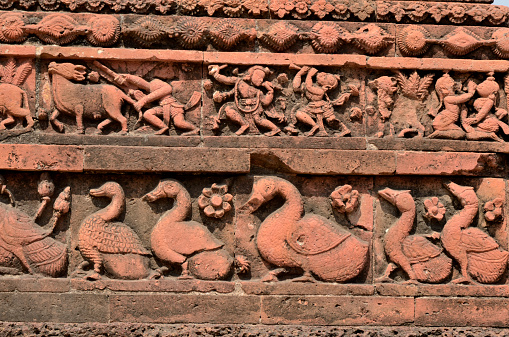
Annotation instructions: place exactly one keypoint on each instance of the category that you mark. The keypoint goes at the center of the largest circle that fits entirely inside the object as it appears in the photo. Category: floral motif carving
(345, 199)
(280, 36)
(215, 201)
(434, 209)
(493, 209)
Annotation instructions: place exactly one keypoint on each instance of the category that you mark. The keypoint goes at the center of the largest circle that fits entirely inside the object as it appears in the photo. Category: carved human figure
(480, 257)
(187, 243)
(24, 242)
(93, 101)
(385, 87)
(288, 239)
(112, 245)
(421, 260)
(169, 107)
(319, 107)
(487, 122)
(445, 121)
(250, 103)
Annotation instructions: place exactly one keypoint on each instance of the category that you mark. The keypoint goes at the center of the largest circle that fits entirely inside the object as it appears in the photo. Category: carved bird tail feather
(47, 256)
(434, 270)
(487, 267)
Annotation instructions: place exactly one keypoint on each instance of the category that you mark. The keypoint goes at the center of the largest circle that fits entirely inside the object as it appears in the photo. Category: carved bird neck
(405, 223)
(114, 209)
(181, 206)
(293, 207)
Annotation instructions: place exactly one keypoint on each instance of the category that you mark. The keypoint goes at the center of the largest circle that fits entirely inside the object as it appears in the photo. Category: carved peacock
(420, 259)
(21, 239)
(477, 253)
(188, 243)
(312, 243)
(112, 245)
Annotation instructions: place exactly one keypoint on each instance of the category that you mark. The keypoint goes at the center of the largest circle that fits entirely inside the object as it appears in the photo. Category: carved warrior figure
(250, 103)
(93, 101)
(112, 245)
(485, 124)
(169, 108)
(421, 260)
(13, 99)
(319, 105)
(26, 245)
(188, 243)
(287, 239)
(445, 121)
(478, 254)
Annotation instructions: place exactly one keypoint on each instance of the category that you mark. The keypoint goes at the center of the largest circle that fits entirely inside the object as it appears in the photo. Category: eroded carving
(493, 209)
(421, 260)
(28, 247)
(289, 239)
(187, 243)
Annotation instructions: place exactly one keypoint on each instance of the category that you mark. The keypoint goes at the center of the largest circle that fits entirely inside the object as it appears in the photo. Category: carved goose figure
(417, 256)
(188, 243)
(477, 253)
(312, 243)
(113, 245)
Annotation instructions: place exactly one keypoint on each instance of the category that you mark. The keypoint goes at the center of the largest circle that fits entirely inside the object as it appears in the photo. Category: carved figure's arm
(309, 83)
(269, 96)
(135, 80)
(297, 81)
(466, 122)
(485, 110)
(155, 95)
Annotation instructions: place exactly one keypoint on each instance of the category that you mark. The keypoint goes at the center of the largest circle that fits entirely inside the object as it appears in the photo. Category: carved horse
(93, 101)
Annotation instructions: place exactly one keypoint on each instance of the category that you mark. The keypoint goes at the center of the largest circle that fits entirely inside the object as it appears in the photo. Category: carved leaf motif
(424, 84)
(22, 74)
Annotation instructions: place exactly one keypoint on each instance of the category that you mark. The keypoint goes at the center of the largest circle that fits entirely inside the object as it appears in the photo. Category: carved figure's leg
(78, 110)
(386, 276)
(305, 118)
(21, 256)
(8, 120)
(273, 274)
(152, 117)
(265, 123)
(321, 127)
(345, 130)
(53, 119)
(95, 256)
(180, 122)
(185, 272)
(30, 121)
(235, 116)
(462, 260)
(104, 123)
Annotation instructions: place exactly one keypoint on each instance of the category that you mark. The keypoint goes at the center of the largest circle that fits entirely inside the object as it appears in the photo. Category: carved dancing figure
(420, 259)
(478, 254)
(485, 124)
(112, 245)
(289, 239)
(445, 121)
(250, 103)
(319, 105)
(385, 87)
(187, 243)
(169, 108)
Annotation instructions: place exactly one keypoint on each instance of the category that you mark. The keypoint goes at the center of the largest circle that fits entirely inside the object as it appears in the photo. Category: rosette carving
(280, 36)
(146, 31)
(328, 37)
(103, 31)
(413, 41)
(191, 33)
(371, 38)
(12, 28)
(226, 34)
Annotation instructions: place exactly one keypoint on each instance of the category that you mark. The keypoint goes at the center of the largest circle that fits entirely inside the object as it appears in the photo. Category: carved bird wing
(418, 249)
(475, 240)
(117, 238)
(189, 237)
(314, 235)
(17, 228)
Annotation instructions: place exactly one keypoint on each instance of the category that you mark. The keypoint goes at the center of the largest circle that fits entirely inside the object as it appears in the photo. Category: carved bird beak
(254, 202)
(150, 197)
(389, 195)
(96, 192)
(456, 189)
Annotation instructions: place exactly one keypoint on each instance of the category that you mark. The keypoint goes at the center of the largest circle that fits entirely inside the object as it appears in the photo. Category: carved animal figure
(93, 101)
(113, 245)
(312, 243)
(417, 256)
(22, 239)
(477, 253)
(187, 243)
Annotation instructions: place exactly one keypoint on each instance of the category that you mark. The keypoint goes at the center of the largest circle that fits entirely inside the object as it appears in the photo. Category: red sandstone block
(44, 307)
(433, 311)
(185, 308)
(337, 310)
(388, 289)
(166, 285)
(295, 288)
(453, 163)
(327, 161)
(26, 157)
(158, 159)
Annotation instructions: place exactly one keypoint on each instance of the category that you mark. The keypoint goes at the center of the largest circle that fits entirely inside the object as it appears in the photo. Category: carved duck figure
(417, 256)
(477, 253)
(312, 243)
(113, 245)
(187, 243)
(22, 239)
